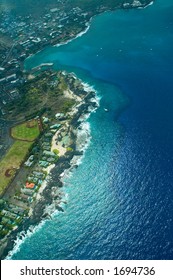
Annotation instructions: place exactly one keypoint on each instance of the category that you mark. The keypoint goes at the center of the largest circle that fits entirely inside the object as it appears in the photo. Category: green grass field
(12, 161)
(27, 131)
(24, 134)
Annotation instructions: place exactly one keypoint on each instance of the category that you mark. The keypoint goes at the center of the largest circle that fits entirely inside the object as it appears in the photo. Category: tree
(56, 151)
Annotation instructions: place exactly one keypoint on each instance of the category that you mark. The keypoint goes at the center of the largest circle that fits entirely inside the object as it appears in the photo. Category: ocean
(120, 198)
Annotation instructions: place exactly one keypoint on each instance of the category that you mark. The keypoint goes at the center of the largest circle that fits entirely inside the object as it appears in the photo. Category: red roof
(30, 185)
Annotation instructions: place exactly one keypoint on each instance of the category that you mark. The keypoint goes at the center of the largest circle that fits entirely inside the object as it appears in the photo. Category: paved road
(5, 139)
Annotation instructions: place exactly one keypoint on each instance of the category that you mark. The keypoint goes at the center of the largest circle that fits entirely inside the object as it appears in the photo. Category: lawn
(11, 162)
(27, 131)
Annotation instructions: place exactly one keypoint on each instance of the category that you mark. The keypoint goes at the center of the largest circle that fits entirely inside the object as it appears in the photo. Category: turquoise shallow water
(120, 198)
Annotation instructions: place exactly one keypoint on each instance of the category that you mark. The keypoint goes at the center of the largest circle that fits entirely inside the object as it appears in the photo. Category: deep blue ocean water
(120, 199)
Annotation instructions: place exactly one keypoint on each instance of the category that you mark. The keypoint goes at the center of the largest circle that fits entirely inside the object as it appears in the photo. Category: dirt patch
(10, 172)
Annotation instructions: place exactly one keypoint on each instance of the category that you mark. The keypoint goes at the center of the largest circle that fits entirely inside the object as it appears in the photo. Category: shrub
(56, 151)
(69, 149)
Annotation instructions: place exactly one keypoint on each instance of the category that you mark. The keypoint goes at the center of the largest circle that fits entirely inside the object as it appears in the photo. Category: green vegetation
(56, 151)
(11, 162)
(27, 131)
(2, 204)
(69, 149)
(44, 93)
(3, 233)
(62, 84)
(68, 103)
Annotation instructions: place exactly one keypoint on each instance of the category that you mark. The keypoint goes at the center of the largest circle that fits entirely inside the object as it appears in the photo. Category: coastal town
(40, 113)
(39, 144)
(22, 35)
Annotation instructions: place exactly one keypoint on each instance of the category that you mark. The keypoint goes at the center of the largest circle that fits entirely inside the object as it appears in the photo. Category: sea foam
(21, 237)
(79, 35)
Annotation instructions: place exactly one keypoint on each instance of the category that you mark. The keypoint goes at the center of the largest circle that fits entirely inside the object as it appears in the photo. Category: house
(45, 120)
(51, 160)
(32, 179)
(28, 192)
(59, 116)
(28, 163)
(43, 163)
(30, 185)
(48, 154)
(55, 126)
(24, 197)
(38, 174)
(9, 214)
(47, 147)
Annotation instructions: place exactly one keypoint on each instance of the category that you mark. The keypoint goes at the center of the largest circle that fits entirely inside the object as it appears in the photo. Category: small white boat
(106, 110)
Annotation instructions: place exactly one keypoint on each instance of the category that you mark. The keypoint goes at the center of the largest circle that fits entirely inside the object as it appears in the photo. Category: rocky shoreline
(51, 195)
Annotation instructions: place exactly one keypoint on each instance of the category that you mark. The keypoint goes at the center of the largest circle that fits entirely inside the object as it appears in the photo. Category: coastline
(150, 4)
(81, 33)
(88, 24)
(46, 197)
(77, 36)
(51, 198)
